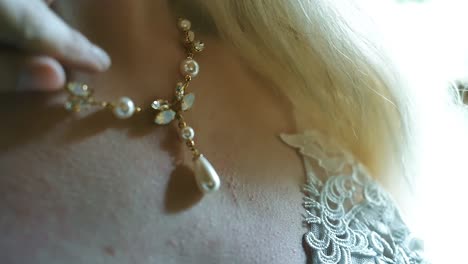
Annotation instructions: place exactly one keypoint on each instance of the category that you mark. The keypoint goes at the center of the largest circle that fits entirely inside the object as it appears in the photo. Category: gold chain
(81, 96)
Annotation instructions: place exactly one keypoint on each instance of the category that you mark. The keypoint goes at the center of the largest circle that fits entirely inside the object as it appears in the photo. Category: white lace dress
(350, 219)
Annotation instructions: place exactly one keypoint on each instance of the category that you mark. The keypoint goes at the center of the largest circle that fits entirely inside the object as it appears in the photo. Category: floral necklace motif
(81, 97)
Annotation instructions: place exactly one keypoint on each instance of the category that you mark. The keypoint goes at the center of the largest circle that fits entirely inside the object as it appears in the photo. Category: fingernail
(41, 74)
(104, 59)
(28, 81)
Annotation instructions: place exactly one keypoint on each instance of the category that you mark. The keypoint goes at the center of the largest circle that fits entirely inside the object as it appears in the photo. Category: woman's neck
(140, 36)
(121, 25)
(144, 43)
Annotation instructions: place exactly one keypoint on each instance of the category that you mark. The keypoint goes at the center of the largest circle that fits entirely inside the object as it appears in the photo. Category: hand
(36, 45)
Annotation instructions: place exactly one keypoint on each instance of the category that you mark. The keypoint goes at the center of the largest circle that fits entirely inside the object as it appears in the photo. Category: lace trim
(350, 218)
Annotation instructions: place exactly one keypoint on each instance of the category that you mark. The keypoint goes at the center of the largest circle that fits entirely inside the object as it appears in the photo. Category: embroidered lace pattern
(349, 217)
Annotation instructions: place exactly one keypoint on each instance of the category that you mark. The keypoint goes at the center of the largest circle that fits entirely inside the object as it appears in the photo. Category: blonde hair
(325, 58)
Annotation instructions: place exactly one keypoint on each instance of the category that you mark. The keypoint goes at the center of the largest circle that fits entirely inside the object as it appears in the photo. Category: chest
(98, 192)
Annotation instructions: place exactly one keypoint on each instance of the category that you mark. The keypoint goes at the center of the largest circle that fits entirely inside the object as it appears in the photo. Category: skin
(90, 188)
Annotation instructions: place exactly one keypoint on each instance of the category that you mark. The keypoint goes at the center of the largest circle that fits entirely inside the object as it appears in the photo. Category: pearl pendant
(206, 176)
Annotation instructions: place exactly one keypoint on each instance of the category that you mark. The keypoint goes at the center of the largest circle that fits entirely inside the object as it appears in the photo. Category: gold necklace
(81, 96)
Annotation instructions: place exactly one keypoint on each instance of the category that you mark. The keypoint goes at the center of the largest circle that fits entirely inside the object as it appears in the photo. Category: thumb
(32, 26)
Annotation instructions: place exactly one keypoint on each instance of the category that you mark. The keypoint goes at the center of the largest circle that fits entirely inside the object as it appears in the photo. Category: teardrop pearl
(206, 176)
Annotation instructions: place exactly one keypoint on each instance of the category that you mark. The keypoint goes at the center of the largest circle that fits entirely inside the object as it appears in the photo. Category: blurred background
(430, 33)
(429, 39)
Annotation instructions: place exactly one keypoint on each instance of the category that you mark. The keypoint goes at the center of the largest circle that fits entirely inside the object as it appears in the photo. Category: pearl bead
(187, 133)
(185, 25)
(189, 67)
(124, 108)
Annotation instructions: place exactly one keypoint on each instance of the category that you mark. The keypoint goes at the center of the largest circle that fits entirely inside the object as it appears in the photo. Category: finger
(19, 72)
(41, 73)
(37, 29)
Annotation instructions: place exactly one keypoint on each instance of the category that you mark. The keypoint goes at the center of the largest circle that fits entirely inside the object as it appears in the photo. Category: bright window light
(431, 35)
